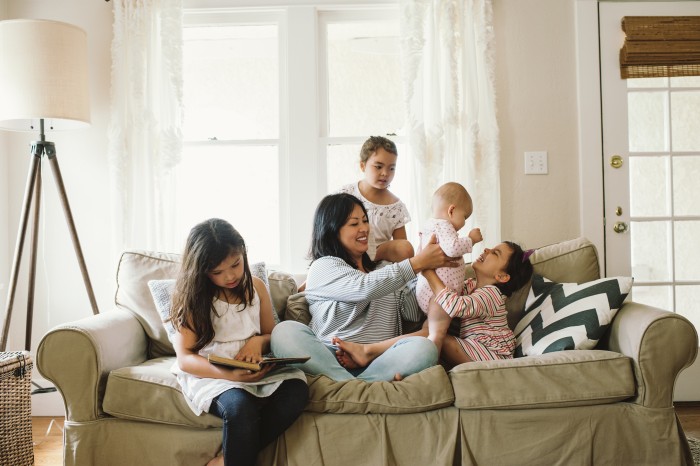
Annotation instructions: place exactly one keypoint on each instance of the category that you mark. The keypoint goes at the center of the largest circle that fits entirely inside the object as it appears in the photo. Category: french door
(651, 173)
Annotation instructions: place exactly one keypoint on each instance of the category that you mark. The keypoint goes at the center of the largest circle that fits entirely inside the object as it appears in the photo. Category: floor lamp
(43, 81)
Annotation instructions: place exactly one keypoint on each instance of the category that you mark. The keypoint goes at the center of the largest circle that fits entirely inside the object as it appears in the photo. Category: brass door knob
(620, 227)
(616, 161)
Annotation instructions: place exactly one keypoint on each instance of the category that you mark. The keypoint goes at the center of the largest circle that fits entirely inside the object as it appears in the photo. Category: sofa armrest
(660, 343)
(78, 356)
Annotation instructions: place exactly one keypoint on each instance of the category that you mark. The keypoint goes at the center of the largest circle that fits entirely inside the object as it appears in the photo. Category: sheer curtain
(447, 61)
(145, 131)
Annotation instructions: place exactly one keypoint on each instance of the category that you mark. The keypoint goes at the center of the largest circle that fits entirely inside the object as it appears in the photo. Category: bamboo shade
(660, 46)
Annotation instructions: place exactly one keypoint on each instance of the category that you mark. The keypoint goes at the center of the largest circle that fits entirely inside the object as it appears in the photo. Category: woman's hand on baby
(431, 256)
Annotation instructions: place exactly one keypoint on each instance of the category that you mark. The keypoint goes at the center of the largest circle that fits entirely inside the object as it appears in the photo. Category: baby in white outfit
(452, 206)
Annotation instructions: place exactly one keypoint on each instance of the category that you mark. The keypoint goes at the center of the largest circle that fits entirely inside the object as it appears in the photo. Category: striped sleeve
(483, 302)
(332, 278)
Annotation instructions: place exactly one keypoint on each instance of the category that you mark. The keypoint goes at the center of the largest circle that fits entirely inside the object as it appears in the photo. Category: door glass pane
(647, 115)
(646, 82)
(650, 251)
(649, 186)
(687, 250)
(657, 296)
(687, 299)
(364, 79)
(231, 82)
(239, 184)
(343, 168)
(686, 188)
(685, 121)
(685, 81)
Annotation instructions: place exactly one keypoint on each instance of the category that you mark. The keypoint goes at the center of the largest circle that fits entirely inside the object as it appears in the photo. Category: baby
(452, 206)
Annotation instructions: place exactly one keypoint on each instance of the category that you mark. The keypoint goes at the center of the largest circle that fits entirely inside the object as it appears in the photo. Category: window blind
(660, 46)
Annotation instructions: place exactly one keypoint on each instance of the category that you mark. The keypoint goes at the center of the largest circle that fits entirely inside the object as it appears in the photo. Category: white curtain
(145, 131)
(447, 60)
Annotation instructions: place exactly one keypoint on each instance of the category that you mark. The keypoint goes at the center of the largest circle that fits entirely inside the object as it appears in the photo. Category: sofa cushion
(135, 270)
(564, 378)
(150, 392)
(425, 391)
(568, 316)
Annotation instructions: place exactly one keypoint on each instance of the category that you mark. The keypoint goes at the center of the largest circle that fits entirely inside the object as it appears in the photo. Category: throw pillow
(162, 293)
(567, 316)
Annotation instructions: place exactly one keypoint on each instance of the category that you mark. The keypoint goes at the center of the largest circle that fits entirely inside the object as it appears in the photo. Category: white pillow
(567, 316)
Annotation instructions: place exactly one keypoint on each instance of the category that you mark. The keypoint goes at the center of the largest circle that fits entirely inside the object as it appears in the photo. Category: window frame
(303, 108)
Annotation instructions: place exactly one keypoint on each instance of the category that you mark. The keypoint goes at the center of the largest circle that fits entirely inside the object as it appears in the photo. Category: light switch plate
(536, 163)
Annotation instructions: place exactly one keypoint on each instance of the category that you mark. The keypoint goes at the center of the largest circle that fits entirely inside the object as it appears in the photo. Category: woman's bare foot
(361, 354)
(216, 461)
(345, 360)
(398, 377)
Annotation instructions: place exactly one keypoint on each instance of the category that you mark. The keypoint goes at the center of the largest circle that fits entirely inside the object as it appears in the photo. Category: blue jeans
(250, 423)
(407, 356)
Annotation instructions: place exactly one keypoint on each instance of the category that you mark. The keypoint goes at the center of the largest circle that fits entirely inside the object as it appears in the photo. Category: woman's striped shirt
(357, 306)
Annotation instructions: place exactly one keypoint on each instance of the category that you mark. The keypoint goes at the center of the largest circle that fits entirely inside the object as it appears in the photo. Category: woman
(351, 300)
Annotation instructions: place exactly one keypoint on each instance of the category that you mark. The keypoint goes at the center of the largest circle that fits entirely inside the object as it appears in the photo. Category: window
(277, 105)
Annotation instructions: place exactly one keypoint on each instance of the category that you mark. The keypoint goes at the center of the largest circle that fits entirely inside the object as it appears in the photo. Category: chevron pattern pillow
(567, 316)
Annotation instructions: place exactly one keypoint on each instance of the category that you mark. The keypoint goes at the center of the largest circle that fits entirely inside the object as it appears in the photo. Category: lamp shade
(43, 75)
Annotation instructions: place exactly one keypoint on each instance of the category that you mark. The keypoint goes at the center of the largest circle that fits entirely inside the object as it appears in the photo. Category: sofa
(612, 404)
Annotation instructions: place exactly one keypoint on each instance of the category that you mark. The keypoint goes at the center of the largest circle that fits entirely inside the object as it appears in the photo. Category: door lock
(620, 227)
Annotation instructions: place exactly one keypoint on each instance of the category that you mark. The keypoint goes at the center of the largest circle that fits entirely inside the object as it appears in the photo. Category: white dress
(233, 327)
(383, 219)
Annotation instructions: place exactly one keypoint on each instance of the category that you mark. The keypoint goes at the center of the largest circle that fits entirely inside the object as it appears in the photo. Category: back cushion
(136, 269)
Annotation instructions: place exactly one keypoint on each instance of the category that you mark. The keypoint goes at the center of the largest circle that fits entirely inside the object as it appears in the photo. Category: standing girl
(387, 214)
(220, 308)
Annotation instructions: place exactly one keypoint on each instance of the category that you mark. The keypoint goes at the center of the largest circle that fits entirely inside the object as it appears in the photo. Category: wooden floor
(48, 433)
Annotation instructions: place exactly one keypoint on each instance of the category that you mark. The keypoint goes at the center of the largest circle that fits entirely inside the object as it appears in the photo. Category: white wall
(537, 110)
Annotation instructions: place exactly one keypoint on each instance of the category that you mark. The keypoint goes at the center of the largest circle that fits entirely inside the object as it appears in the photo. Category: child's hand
(244, 375)
(475, 235)
(252, 350)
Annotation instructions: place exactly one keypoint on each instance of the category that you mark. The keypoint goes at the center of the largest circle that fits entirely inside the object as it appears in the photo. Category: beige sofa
(611, 405)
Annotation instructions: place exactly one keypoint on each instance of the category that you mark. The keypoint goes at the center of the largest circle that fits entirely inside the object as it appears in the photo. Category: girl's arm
(399, 233)
(258, 345)
(192, 363)
(483, 302)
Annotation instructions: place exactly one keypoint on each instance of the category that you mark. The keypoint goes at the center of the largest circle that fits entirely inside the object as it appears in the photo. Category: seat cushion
(425, 391)
(564, 378)
(150, 392)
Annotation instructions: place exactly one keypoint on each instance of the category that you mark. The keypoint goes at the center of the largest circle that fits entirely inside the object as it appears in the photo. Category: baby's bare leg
(438, 323)
(394, 250)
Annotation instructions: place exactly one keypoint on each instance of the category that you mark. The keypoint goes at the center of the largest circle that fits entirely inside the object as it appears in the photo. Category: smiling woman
(351, 300)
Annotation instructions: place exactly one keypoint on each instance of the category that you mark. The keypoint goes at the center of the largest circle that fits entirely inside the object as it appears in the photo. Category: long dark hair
(519, 268)
(209, 243)
(331, 214)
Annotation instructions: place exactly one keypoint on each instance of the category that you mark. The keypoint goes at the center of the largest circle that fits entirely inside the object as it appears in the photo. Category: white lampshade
(43, 75)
